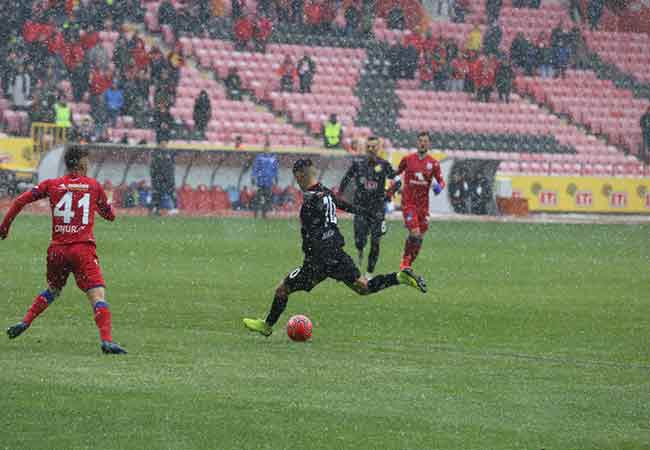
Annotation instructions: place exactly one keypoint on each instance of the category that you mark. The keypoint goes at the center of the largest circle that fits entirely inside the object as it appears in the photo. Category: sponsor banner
(19, 153)
(583, 194)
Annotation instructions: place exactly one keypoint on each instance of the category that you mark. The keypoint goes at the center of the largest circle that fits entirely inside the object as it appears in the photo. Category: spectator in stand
(167, 14)
(313, 16)
(121, 54)
(595, 12)
(578, 49)
(142, 84)
(352, 21)
(459, 9)
(367, 17)
(99, 114)
(562, 56)
(244, 28)
(202, 113)
(239, 143)
(426, 68)
(297, 11)
(442, 71)
(306, 71)
(544, 57)
(100, 81)
(486, 79)
(396, 19)
(332, 133)
(233, 85)
(288, 74)
(329, 10)
(114, 99)
(164, 124)
(165, 90)
(474, 72)
(645, 132)
(474, 39)
(459, 72)
(73, 58)
(262, 33)
(575, 10)
(409, 61)
(492, 39)
(237, 7)
(265, 175)
(139, 53)
(493, 10)
(157, 62)
(504, 78)
(519, 50)
(21, 86)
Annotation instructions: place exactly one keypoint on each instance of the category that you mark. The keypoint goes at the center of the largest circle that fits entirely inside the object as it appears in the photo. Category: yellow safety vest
(62, 114)
(333, 133)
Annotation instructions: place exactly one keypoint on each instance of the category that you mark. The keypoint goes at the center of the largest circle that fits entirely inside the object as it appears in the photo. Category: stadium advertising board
(583, 194)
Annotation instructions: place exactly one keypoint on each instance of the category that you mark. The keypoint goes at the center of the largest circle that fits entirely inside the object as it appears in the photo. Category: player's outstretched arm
(17, 206)
(104, 208)
(349, 175)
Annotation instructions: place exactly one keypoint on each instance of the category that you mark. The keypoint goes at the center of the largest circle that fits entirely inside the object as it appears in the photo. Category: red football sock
(103, 321)
(412, 248)
(39, 305)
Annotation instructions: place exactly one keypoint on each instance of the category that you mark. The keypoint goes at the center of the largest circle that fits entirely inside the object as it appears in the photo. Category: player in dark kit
(322, 244)
(74, 198)
(369, 175)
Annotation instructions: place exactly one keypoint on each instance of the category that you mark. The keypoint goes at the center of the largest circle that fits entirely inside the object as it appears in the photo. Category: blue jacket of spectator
(265, 170)
(114, 99)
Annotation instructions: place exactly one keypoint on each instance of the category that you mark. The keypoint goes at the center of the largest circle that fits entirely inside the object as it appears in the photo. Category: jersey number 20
(330, 210)
(65, 208)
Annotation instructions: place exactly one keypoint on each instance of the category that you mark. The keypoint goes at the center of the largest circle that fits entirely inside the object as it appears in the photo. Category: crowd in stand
(479, 65)
(56, 41)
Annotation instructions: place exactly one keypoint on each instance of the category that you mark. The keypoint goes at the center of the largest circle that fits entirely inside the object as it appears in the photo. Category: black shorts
(264, 198)
(338, 265)
(364, 226)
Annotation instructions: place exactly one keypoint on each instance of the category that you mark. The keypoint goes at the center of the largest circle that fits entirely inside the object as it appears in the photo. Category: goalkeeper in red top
(74, 198)
(418, 169)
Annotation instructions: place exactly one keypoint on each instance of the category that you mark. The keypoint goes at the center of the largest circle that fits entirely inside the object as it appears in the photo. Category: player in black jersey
(322, 244)
(369, 175)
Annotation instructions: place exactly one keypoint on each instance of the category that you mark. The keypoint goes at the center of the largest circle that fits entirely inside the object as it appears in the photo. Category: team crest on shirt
(429, 166)
(378, 168)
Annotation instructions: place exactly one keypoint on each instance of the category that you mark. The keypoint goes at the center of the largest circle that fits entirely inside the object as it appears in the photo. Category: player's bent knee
(96, 294)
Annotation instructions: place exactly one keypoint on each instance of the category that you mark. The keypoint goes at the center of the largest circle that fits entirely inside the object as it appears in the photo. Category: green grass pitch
(532, 336)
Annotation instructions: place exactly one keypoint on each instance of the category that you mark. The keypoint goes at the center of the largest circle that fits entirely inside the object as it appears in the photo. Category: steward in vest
(62, 114)
(332, 133)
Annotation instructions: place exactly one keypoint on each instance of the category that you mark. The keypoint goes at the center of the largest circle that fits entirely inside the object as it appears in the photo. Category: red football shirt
(74, 199)
(417, 178)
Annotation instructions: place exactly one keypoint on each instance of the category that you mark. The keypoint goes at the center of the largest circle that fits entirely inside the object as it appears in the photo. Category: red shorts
(416, 219)
(78, 259)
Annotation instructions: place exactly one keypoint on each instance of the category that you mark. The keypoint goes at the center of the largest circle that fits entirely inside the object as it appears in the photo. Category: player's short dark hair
(373, 138)
(302, 164)
(73, 156)
(423, 133)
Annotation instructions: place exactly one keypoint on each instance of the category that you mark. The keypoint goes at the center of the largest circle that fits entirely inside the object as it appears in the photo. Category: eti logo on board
(548, 198)
(618, 199)
(584, 199)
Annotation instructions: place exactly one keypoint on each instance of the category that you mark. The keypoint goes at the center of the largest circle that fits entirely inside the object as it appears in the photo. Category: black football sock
(381, 282)
(373, 257)
(277, 308)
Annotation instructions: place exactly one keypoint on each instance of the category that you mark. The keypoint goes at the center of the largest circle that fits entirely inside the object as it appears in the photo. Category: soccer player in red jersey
(74, 198)
(418, 169)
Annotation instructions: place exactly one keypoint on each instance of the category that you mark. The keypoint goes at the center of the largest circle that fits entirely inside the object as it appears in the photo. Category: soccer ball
(299, 328)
